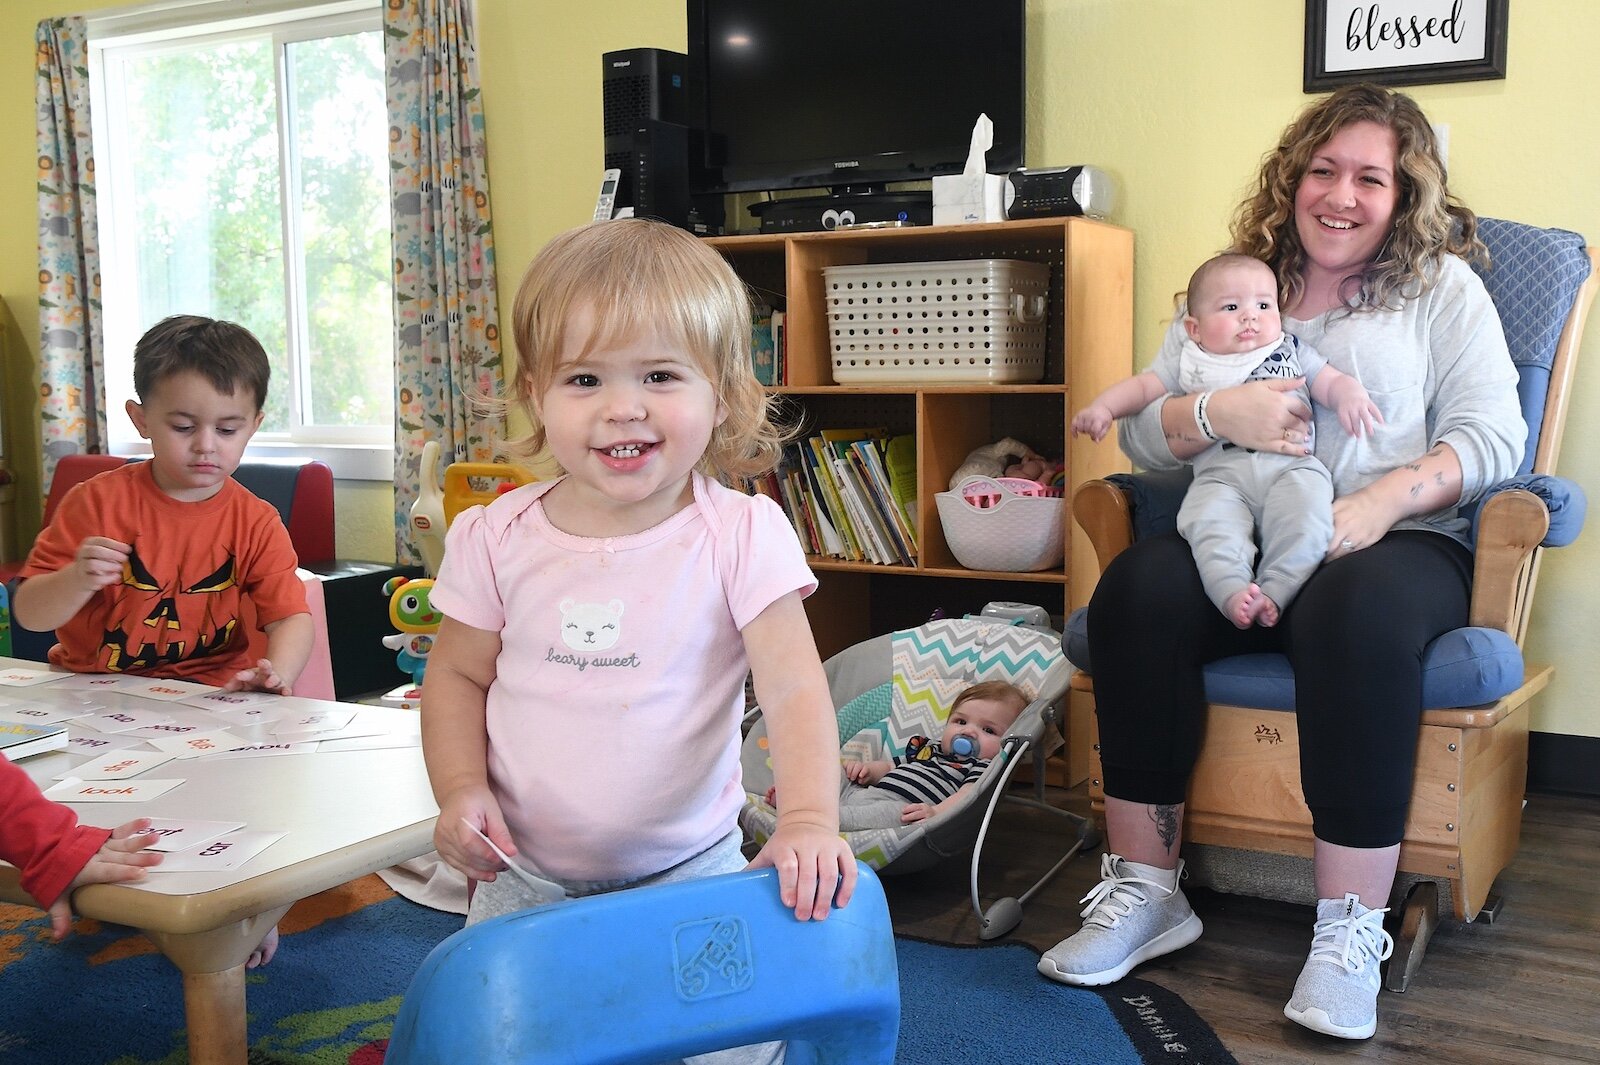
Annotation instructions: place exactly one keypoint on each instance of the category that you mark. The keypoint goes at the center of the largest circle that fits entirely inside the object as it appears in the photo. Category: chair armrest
(1563, 500)
(1102, 511)
(1510, 525)
(1125, 507)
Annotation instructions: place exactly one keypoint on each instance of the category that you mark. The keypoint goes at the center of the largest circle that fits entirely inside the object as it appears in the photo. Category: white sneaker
(1337, 993)
(1128, 920)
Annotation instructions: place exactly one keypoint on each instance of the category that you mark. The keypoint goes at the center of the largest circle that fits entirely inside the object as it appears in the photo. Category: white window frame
(353, 453)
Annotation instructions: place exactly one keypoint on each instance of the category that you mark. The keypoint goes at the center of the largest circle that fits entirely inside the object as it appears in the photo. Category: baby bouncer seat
(901, 684)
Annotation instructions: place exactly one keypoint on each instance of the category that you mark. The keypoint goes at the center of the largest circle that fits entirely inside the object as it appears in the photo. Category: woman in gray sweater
(1352, 212)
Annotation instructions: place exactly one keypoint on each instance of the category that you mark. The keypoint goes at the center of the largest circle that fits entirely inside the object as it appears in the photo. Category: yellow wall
(1174, 98)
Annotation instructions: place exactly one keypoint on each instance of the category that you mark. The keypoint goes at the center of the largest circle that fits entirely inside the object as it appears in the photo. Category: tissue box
(961, 198)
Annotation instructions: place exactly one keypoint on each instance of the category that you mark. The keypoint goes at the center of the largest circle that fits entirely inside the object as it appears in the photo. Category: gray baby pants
(1288, 498)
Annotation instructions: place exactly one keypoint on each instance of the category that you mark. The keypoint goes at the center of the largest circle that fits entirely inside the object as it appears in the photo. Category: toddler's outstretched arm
(1344, 394)
(455, 747)
(121, 858)
(1128, 396)
(815, 868)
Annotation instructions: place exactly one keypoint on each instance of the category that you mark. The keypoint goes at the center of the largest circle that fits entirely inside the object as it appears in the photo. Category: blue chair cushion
(1464, 667)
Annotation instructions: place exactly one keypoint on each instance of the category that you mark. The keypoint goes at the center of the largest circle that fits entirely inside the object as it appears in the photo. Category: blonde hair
(637, 278)
(999, 691)
(1428, 219)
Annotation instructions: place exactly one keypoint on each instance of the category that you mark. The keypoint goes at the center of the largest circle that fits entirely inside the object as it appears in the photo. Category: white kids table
(345, 813)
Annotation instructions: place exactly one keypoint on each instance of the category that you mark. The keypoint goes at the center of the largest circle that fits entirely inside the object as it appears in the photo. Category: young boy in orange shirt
(145, 569)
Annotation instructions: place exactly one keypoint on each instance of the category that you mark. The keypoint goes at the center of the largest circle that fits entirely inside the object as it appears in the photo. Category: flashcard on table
(315, 721)
(165, 690)
(194, 746)
(46, 715)
(75, 790)
(180, 834)
(126, 720)
(224, 701)
(249, 715)
(94, 682)
(375, 742)
(95, 743)
(229, 852)
(22, 677)
(251, 750)
(117, 765)
(171, 728)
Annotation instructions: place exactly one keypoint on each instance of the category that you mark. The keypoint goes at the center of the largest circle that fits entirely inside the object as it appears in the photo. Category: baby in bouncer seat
(933, 774)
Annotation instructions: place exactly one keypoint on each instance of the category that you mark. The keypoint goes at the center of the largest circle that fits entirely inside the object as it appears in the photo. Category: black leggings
(1355, 636)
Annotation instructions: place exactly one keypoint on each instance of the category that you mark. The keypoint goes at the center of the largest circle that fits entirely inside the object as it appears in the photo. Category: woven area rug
(105, 995)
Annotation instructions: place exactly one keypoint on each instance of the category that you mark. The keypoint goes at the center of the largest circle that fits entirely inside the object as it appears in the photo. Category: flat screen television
(852, 93)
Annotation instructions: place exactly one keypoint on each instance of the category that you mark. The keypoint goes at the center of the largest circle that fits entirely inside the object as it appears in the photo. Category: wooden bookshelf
(1089, 344)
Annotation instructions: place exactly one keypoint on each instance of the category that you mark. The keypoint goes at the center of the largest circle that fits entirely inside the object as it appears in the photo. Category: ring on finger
(1348, 545)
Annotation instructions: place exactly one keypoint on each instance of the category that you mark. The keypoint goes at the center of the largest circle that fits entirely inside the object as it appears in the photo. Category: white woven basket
(962, 320)
(1016, 534)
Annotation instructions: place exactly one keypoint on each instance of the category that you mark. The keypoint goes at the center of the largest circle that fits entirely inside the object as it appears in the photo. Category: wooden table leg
(214, 1009)
(212, 963)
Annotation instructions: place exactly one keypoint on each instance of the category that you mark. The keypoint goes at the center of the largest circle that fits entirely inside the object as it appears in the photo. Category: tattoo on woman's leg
(1166, 822)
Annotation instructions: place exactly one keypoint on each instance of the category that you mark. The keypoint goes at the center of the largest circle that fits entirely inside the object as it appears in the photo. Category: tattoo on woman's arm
(1166, 822)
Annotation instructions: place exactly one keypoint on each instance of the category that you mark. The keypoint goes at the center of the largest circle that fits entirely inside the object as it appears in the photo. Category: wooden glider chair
(1246, 827)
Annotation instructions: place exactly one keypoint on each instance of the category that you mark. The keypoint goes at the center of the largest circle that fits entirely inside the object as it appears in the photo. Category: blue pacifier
(964, 747)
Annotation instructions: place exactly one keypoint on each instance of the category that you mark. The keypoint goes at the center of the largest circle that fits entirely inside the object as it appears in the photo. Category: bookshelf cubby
(1089, 344)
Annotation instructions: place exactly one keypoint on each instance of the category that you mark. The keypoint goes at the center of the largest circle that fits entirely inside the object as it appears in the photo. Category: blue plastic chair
(657, 973)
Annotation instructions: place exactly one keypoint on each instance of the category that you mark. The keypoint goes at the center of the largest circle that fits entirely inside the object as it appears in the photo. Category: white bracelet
(1200, 418)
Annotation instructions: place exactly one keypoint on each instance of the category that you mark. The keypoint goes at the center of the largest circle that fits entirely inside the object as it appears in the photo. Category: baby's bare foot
(1241, 606)
(1266, 612)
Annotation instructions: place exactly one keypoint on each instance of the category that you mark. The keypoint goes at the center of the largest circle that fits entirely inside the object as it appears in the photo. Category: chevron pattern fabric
(933, 663)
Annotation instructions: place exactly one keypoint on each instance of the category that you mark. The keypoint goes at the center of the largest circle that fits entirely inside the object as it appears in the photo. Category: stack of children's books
(851, 494)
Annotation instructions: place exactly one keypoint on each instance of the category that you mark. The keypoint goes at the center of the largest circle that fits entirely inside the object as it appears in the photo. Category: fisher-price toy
(411, 612)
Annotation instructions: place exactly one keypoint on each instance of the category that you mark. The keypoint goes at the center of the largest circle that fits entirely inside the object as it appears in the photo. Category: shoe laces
(1352, 942)
(1114, 897)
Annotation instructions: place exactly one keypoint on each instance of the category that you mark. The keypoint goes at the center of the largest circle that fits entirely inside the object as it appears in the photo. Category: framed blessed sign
(1403, 42)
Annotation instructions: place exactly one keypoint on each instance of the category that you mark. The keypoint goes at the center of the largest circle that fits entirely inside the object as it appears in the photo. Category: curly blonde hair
(1427, 221)
(636, 278)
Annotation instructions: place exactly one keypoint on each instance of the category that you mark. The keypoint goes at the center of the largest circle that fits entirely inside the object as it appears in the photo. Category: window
(242, 173)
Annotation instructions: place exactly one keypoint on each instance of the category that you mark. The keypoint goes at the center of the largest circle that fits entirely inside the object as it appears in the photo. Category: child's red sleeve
(42, 838)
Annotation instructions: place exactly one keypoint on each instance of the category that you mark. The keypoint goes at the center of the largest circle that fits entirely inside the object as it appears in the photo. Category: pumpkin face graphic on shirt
(170, 618)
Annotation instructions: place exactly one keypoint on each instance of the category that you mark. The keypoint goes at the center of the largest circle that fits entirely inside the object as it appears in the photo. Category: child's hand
(815, 868)
(100, 561)
(1094, 420)
(1357, 413)
(459, 846)
(120, 859)
(260, 677)
(866, 773)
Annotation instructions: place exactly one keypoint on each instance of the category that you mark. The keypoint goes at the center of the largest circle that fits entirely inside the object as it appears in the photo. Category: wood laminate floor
(1524, 990)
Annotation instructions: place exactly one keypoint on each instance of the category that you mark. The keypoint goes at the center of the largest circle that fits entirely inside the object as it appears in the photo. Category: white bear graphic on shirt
(590, 626)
